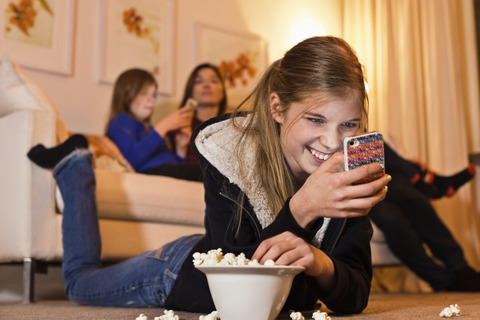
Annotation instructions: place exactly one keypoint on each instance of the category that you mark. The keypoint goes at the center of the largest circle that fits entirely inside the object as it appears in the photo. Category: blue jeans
(141, 281)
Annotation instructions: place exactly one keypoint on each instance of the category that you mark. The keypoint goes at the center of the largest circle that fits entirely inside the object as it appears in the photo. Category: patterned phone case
(362, 150)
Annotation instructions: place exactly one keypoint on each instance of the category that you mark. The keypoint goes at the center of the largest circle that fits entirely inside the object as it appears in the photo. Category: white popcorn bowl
(249, 292)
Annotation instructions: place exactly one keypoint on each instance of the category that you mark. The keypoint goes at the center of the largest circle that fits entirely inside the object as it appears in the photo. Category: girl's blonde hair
(127, 86)
(319, 65)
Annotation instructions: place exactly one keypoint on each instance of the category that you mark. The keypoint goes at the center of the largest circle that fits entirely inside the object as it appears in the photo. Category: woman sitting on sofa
(206, 87)
(144, 145)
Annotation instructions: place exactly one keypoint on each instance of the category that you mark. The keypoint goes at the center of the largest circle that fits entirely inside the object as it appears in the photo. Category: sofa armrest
(27, 218)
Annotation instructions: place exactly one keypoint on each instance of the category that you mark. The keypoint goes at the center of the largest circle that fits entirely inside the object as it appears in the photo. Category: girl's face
(312, 130)
(144, 102)
(207, 88)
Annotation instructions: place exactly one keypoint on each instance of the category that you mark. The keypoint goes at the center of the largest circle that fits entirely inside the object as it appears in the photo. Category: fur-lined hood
(217, 143)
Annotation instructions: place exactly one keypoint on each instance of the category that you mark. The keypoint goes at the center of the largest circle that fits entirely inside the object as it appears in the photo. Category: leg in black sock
(49, 157)
(448, 185)
(413, 171)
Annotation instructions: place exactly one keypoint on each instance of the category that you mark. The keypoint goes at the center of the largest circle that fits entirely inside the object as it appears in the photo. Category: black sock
(428, 189)
(465, 280)
(448, 185)
(418, 180)
(48, 158)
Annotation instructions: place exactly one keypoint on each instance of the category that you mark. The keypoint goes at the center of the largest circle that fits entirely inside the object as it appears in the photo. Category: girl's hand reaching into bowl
(287, 249)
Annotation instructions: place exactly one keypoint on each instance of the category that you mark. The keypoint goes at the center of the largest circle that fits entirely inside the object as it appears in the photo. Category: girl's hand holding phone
(327, 193)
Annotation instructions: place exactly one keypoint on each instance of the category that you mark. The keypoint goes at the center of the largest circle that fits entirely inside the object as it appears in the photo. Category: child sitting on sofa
(271, 192)
(144, 145)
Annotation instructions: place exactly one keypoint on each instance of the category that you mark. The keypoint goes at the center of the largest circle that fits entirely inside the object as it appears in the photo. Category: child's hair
(327, 66)
(127, 86)
(191, 82)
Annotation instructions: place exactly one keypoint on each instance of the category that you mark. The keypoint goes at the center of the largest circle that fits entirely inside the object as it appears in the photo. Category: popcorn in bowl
(216, 257)
(239, 285)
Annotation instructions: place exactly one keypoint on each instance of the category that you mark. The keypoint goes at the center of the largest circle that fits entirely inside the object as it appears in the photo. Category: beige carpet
(381, 306)
(51, 303)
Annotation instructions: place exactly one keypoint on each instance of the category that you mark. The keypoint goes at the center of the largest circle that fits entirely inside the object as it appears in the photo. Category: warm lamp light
(304, 28)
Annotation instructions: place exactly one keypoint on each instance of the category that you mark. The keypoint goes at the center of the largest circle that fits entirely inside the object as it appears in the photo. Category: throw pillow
(14, 93)
(19, 91)
(107, 156)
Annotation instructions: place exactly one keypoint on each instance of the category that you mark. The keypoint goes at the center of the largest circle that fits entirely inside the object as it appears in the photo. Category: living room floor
(48, 286)
(52, 303)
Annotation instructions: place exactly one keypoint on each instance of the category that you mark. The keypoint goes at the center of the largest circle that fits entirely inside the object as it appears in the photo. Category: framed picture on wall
(38, 34)
(137, 34)
(240, 56)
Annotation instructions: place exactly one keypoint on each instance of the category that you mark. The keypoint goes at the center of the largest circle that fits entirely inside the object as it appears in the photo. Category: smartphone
(192, 103)
(364, 149)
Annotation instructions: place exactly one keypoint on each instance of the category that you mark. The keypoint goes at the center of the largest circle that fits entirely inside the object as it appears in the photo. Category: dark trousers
(409, 221)
(395, 163)
(186, 170)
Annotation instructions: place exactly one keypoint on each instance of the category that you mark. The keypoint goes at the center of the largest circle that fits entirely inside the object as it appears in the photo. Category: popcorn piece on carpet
(450, 311)
(318, 315)
(296, 316)
(212, 316)
(168, 315)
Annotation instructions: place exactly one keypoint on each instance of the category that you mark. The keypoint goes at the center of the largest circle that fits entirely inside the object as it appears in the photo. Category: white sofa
(137, 212)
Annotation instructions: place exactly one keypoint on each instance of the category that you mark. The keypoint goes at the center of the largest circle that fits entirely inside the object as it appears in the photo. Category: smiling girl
(271, 192)
(271, 187)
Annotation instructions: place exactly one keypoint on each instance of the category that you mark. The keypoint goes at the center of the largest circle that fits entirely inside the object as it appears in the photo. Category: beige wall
(84, 102)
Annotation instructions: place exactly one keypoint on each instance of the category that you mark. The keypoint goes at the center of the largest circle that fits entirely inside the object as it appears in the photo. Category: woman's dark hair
(191, 81)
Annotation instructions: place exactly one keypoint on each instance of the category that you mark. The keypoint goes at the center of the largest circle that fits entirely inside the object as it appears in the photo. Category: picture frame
(240, 56)
(39, 34)
(137, 34)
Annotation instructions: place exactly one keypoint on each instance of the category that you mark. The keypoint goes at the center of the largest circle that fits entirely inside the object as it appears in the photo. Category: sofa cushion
(147, 198)
(135, 196)
(20, 91)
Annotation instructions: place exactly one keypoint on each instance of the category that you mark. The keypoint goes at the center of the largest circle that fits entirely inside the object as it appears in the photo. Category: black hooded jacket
(346, 241)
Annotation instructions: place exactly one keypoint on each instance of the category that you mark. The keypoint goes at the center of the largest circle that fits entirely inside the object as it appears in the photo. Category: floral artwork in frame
(138, 34)
(38, 33)
(241, 58)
